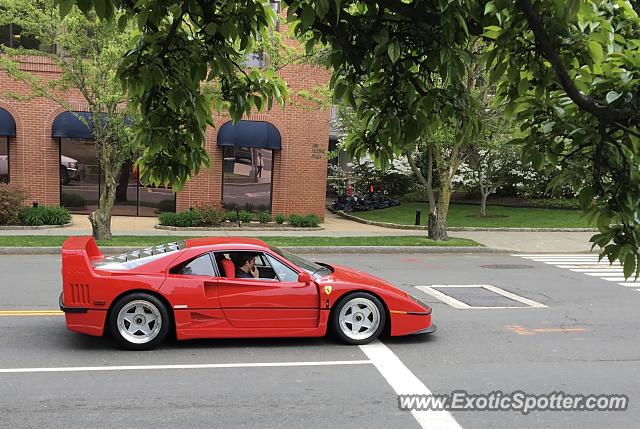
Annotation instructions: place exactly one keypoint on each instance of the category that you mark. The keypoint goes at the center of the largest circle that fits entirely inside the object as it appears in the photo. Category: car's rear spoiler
(81, 245)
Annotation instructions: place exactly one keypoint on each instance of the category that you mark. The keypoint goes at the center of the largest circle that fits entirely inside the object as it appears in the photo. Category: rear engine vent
(80, 294)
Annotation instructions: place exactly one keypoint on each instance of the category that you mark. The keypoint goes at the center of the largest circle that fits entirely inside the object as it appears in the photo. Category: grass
(141, 241)
(466, 215)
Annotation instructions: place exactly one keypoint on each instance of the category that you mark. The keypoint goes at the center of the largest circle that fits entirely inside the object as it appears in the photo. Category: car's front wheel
(358, 319)
(139, 321)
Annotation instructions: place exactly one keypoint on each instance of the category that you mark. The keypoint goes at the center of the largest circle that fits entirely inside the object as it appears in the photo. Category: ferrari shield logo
(328, 289)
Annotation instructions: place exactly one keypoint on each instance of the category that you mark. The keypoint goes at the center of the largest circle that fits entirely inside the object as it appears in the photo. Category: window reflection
(247, 176)
(82, 183)
(79, 175)
(4, 159)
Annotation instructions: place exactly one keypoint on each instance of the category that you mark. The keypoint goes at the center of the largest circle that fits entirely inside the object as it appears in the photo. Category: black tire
(64, 175)
(363, 300)
(153, 313)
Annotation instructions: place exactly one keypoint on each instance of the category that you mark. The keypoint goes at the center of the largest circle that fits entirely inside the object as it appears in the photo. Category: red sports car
(226, 288)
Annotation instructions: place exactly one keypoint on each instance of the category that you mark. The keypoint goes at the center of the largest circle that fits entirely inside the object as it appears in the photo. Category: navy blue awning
(7, 124)
(67, 124)
(258, 134)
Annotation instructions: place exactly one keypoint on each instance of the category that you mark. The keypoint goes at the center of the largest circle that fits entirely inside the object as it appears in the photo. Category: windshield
(312, 268)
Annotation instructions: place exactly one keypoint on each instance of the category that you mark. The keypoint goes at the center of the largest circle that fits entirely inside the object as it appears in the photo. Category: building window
(247, 176)
(82, 183)
(4, 159)
(12, 36)
(79, 175)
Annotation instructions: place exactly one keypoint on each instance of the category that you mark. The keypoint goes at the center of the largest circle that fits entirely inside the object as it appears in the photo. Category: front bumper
(430, 330)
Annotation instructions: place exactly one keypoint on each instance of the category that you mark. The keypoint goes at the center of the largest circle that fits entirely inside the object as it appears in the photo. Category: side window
(200, 266)
(284, 273)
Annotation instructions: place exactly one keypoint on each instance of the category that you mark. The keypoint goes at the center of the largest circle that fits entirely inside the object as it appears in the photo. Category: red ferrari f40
(226, 287)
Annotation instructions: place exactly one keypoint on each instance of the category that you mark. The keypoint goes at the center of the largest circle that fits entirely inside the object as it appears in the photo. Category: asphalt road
(585, 341)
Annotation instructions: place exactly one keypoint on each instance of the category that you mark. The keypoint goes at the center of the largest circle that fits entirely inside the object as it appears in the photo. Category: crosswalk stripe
(588, 264)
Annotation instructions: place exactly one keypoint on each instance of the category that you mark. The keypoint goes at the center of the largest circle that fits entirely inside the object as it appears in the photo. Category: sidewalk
(335, 226)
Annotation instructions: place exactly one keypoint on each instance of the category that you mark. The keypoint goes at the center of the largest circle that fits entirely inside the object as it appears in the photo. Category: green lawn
(465, 215)
(140, 241)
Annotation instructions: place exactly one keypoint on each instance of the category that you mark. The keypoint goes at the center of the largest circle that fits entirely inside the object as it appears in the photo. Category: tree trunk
(437, 225)
(483, 204)
(101, 218)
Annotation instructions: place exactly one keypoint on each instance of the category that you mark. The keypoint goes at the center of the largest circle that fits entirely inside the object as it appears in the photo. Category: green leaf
(101, 8)
(596, 51)
(84, 5)
(586, 197)
(211, 28)
(308, 15)
(629, 265)
(393, 49)
(322, 7)
(65, 7)
(613, 96)
(523, 86)
(122, 22)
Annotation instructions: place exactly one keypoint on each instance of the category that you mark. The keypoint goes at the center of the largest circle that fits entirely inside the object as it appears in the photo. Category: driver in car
(245, 266)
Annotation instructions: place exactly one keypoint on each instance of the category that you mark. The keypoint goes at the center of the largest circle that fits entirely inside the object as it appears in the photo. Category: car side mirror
(304, 277)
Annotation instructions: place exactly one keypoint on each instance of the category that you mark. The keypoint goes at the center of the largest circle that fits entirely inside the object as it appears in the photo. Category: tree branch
(546, 48)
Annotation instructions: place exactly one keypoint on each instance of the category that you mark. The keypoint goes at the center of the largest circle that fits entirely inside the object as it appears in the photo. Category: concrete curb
(257, 227)
(28, 227)
(297, 249)
(459, 228)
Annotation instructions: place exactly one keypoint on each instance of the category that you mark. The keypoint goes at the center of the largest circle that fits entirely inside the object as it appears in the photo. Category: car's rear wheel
(139, 321)
(358, 319)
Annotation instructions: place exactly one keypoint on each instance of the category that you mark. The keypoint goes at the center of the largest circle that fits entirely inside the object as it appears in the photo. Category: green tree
(188, 60)
(569, 69)
(87, 53)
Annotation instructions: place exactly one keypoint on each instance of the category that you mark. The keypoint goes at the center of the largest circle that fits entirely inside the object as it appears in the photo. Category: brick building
(274, 160)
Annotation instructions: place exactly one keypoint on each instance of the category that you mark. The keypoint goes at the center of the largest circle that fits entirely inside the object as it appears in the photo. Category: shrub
(211, 213)
(189, 218)
(245, 216)
(279, 219)
(311, 221)
(11, 202)
(71, 200)
(44, 215)
(308, 221)
(295, 220)
(264, 217)
(558, 203)
(232, 216)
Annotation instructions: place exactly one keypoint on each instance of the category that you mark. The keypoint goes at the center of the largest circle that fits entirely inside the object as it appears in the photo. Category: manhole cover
(478, 297)
(506, 266)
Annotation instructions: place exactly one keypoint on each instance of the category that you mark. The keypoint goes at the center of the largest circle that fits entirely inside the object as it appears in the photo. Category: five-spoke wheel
(139, 321)
(358, 319)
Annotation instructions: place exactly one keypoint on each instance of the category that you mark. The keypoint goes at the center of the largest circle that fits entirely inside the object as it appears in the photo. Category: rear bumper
(70, 309)
(84, 320)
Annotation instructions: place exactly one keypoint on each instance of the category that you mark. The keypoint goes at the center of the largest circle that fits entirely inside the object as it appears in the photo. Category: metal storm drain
(478, 296)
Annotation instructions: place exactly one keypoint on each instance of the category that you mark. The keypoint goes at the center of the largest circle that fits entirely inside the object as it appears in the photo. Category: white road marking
(589, 265)
(455, 303)
(190, 366)
(404, 382)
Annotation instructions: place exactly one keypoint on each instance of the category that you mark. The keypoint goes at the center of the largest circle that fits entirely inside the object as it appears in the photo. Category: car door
(280, 302)
(193, 289)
